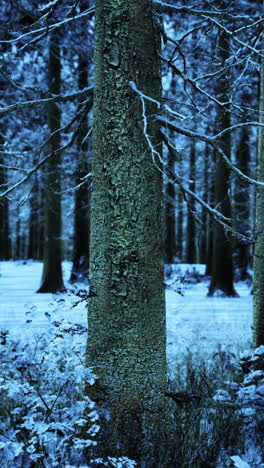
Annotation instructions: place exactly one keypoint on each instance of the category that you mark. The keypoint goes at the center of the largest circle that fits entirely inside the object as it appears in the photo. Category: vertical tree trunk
(222, 264)
(82, 195)
(179, 226)
(241, 219)
(52, 272)
(209, 226)
(36, 235)
(204, 217)
(5, 243)
(127, 336)
(170, 227)
(191, 228)
(258, 262)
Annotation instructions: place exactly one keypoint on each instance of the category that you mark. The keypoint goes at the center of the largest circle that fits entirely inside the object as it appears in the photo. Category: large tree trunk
(222, 264)
(258, 262)
(52, 272)
(127, 335)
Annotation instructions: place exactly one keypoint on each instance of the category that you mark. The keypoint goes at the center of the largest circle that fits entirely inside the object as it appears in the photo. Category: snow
(193, 319)
(239, 463)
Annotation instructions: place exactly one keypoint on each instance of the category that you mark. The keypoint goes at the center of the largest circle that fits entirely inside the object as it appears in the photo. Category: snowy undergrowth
(219, 410)
(44, 410)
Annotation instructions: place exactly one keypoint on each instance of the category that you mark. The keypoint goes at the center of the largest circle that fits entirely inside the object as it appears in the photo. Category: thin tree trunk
(241, 220)
(222, 264)
(127, 336)
(170, 228)
(5, 244)
(258, 262)
(52, 272)
(36, 235)
(82, 195)
(179, 226)
(191, 227)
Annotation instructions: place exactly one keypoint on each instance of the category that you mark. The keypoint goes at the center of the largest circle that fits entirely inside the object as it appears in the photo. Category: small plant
(246, 396)
(205, 431)
(44, 411)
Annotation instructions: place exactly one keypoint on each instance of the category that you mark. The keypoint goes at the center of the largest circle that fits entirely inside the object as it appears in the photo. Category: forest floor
(194, 321)
(203, 336)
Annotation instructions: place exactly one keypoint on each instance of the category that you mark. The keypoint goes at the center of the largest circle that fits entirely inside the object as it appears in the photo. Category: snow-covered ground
(193, 319)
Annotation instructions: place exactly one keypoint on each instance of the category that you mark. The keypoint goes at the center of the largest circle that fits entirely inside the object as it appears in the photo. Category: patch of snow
(239, 463)
(193, 319)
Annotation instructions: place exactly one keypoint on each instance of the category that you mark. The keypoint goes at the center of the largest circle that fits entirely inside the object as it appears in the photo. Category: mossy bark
(52, 272)
(258, 262)
(127, 337)
(222, 263)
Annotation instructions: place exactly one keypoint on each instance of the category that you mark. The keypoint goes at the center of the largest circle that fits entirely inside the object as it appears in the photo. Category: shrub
(206, 432)
(44, 409)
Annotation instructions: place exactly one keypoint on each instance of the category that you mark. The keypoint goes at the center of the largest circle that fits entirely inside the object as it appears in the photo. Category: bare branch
(212, 141)
(58, 98)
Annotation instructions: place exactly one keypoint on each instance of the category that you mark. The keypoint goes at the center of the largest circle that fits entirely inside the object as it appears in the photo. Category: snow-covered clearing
(193, 320)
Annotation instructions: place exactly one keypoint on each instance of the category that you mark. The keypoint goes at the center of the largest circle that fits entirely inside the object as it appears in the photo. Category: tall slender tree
(52, 280)
(191, 225)
(222, 263)
(170, 228)
(36, 222)
(82, 195)
(5, 243)
(258, 261)
(241, 219)
(127, 338)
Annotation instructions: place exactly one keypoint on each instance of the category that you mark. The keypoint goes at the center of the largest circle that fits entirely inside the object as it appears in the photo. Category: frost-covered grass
(44, 412)
(219, 410)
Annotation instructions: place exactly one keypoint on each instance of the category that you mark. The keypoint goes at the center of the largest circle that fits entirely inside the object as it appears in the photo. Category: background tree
(127, 336)
(81, 241)
(5, 247)
(222, 263)
(36, 221)
(241, 218)
(52, 272)
(258, 262)
(191, 224)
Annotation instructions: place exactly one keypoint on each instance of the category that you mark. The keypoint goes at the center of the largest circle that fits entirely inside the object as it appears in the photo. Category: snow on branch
(50, 27)
(212, 141)
(164, 7)
(58, 98)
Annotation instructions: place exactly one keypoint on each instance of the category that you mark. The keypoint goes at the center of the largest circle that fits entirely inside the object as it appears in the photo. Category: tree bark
(127, 337)
(258, 262)
(52, 272)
